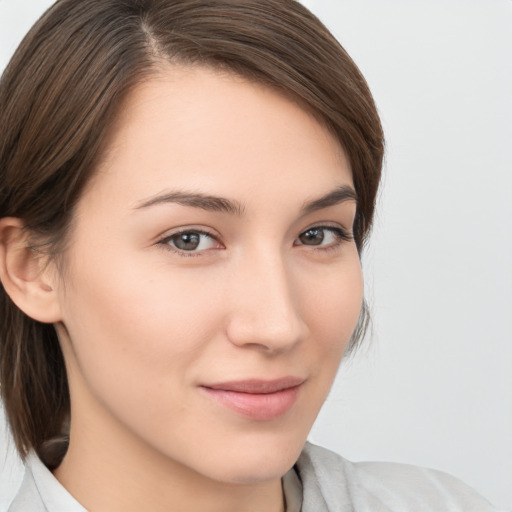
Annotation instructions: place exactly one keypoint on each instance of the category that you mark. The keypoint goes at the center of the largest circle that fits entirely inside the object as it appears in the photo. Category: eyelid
(333, 227)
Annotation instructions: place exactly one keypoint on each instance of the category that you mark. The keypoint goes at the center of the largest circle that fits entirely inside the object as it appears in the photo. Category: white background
(433, 386)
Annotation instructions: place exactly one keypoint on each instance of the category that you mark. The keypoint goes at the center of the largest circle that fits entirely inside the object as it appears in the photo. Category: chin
(265, 469)
(254, 461)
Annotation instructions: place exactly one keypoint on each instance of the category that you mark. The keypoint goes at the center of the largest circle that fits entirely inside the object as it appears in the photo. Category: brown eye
(313, 236)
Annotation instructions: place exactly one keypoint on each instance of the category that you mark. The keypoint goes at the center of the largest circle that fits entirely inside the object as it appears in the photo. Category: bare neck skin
(104, 476)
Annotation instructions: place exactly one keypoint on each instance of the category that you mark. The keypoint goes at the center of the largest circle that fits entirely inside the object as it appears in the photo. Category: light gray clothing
(334, 484)
(321, 481)
(40, 491)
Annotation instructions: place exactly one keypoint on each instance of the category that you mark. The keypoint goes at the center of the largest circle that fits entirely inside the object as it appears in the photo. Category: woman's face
(211, 284)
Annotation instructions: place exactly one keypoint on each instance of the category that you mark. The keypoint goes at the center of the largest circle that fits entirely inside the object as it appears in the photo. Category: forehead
(195, 128)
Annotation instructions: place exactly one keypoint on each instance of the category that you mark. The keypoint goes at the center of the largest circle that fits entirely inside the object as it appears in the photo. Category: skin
(144, 325)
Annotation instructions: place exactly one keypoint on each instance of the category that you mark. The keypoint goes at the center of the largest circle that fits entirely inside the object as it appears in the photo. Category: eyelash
(340, 234)
(180, 252)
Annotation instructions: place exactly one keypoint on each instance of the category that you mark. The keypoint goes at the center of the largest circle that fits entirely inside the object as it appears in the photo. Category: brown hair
(60, 95)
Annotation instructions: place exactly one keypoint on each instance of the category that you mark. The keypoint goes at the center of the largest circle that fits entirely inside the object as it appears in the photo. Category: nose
(265, 305)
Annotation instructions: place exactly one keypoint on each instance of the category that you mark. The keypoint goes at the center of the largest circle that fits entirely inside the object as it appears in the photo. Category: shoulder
(340, 485)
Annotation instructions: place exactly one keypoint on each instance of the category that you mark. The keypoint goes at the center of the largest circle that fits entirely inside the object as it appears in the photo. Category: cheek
(125, 325)
(334, 301)
(135, 338)
(333, 311)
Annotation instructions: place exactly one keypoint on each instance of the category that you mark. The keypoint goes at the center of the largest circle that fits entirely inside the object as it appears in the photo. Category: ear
(25, 275)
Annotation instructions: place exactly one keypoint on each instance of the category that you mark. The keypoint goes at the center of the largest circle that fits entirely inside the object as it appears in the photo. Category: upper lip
(257, 386)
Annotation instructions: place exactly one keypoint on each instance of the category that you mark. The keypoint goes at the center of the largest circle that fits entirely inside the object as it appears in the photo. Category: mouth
(260, 400)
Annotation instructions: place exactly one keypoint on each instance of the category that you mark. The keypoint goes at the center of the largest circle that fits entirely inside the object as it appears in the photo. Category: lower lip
(256, 406)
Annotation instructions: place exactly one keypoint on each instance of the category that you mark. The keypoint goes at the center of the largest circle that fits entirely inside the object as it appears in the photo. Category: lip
(260, 400)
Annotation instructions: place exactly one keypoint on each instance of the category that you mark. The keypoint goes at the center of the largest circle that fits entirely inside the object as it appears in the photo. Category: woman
(186, 189)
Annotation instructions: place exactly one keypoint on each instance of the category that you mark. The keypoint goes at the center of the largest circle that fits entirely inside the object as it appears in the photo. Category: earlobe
(25, 275)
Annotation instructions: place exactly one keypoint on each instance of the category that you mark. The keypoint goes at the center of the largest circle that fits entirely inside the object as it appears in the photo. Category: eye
(323, 236)
(190, 241)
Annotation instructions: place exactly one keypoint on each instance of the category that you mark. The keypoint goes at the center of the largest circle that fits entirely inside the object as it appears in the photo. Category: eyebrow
(196, 200)
(339, 195)
(220, 204)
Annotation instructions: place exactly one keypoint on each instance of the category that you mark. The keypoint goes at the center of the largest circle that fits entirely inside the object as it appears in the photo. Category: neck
(108, 469)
